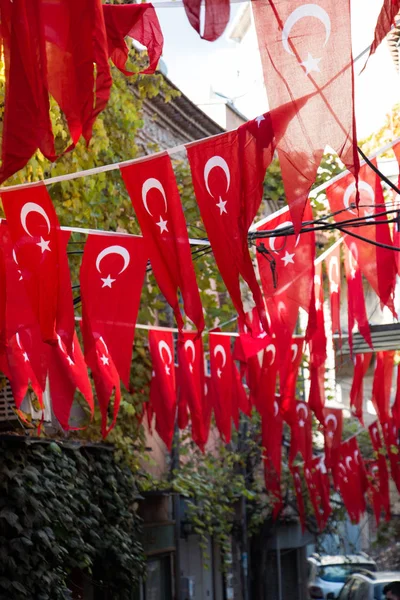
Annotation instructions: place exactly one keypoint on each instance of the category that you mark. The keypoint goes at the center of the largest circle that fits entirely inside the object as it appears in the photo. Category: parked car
(328, 574)
(367, 586)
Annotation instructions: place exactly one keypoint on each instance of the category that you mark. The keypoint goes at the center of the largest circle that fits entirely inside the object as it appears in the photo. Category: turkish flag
(378, 491)
(208, 404)
(266, 402)
(316, 476)
(162, 387)
(216, 17)
(386, 19)
(317, 340)
(191, 380)
(41, 256)
(273, 487)
(391, 437)
(301, 433)
(375, 437)
(332, 263)
(297, 478)
(240, 400)
(155, 197)
(382, 384)
(253, 374)
(396, 405)
(396, 216)
(182, 402)
(272, 434)
(22, 352)
(228, 178)
(333, 428)
(68, 372)
(356, 311)
(361, 365)
(221, 365)
(111, 277)
(288, 374)
(352, 478)
(306, 52)
(248, 344)
(377, 264)
(396, 150)
(287, 281)
(316, 398)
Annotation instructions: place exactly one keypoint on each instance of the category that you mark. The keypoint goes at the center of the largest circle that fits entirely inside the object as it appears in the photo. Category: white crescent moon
(302, 407)
(307, 473)
(348, 461)
(205, 389)
(33, 207)
(297, 478)
(375, 434)
(281, 226)
(343, 467)
(164, 346)
(60, 344)
(353, 256)
(295, 350)
(190, 344)
(114, 250)
(350, 190)
(18, 340)
(14, 256)
(321, 465)
(104, 344)
(306, 10)
(332, 418)
(147, 186)
(356, 459)
(271, 348)
(220, 350)
(333, 263)
(276, 408)
(216, 161)
(374, 469)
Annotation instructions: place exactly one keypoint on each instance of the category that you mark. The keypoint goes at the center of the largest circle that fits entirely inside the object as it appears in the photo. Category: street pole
(177, 516)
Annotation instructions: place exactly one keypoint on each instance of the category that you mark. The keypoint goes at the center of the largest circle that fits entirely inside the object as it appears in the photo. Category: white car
(328, 574)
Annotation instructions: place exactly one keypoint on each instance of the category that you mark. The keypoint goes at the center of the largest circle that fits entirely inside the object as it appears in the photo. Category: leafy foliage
(63, 510)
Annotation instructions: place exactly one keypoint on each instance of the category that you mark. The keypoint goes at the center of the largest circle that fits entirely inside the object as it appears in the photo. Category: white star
(334, 288)
(20, 275)
(107, 282)
(318, 304)
(162, 225)
(311, 64)
(301, 423)
(70, 361)
(261, 336)
(259, 119)
(288, 258)
(44, 245)
(222, 206)
(353, 272)
(167, 370)
(219, 373)
(26, 358)
(105, 359)
(191, 368)
(330, 434)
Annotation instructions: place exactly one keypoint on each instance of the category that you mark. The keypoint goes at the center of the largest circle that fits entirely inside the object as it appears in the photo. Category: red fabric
(396, 224)
(66, 374)
(332, 263)
(299, 496)
(361, 365)
(191, 379)
(228, 176)
(378, 492)
(41, 256)
(162, 387)
(391, 437)
(253, 373)
(240, 400)
(316, 399)
(208, 404)
(138, 21)
(386, 19)
(316, 476)
(216, 18)
(266, 392)
(308, 62)
(352, 479)
(289, 373)
(376, 264)
(248, 344)
(375, 437)
(221, 366)
(294, 269)
(333, 428)
(111, 277)
(396, 405)
(356, 311)
(272, 432)
(382, 384)
(396, 150)
(154, 194)
(182, 403)
(317, 345)
(273, 487)
(301, 433)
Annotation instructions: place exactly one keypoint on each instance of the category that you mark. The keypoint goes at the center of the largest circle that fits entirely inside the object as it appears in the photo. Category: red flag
(361, 365)
(216, 17)
(66, 374)
(222, 382)
(154, 194)
(387, 18)
(306, 51)
(377, 264)
(316, 399)
(249, 344)
(352, 479)
(272, 432)
(396, 216)
(266, 403)
(253, 374)
(317, 340)
(396, 405)
(288, 374)
(301, 433)
(162, 387)
(273, 487)
(240, 400)
(208, 404)
(316, 476)
(333, 269)
(111, 276)
(333, 428)
(375, 437)
(356, 311)
(183, 409)
(191, 370)
(378, 488)
(396, 150)
(228, 180)
(382, 384)
(391, 436)
(287, 281)
(40, 254)
(299, 496)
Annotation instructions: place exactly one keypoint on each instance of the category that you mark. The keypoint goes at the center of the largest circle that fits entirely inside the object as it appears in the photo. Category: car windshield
(339, 573)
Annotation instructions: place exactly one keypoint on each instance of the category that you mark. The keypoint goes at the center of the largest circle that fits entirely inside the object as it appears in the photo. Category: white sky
(232, 69)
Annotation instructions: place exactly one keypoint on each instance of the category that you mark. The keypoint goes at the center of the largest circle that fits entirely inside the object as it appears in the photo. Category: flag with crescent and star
(332, 263)
(111, 278)
(248, 344)
(391, 437)
(376, 263)
(301, 433)
(378, 491)
(382, 384)
(155, 197)
(386, 20)
(332, 429)
(361, 365)
(221, 366)
(240, 399)
(228, 183)
(316, 476)
(288, 374)
(351, 478)
(163, 386)
(396, 404)
(35, 233)
(216, 17)
(317, 345)
(356, 311)
(297, 480)
(272, 436)
(191, 383)
(305, 50)
(286, 266)
(266, 391)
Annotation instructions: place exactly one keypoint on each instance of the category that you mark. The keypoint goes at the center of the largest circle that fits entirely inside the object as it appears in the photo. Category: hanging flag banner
(216, 17)
(332, 428)
(297, 479)
(154, 194)
(307, 61)
(361, 365)
(356, 311)
(288, 375)
(221, 365)
(316, 476)
(382, 384)
(386, 19)
(301, 432)
(333, 269)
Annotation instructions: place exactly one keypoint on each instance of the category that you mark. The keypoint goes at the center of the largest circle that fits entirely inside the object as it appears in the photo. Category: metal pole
(177, 517)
